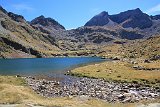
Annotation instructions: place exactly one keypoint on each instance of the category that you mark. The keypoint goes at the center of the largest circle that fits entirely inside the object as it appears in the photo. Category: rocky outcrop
(20, 47)
(99, 38)
(95, 34)
(100, 34)
(15, 17)
(130, 35)
(47, 22)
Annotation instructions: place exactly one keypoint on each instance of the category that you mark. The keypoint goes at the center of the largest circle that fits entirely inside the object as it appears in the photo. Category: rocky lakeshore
(94, 88)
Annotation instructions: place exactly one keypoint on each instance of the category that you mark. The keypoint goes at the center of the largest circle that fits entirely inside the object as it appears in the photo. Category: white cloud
(154, 9)
(23, 7)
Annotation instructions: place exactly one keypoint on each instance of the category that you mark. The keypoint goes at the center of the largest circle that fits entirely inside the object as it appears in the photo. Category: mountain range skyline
(73, 14)
(103, 17)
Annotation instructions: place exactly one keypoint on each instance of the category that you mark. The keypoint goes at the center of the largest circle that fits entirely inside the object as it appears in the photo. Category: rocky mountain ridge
(47, 22)
(128, 19)
(130, 25)
(46, 37)
(20, 39)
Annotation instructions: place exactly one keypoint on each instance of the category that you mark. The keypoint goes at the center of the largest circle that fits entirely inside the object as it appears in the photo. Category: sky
(75, 13)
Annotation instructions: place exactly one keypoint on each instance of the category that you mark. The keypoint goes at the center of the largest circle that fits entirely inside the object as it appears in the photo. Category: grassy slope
(143, 48)
(122, 70)
(118, 71)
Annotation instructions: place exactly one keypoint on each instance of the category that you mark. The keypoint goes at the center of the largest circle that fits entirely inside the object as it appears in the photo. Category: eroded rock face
(130, 35)
(47, 22)
(100, 38)
(20, 47)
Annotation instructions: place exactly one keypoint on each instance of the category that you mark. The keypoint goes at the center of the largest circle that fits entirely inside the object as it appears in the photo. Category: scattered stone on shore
(96, 88)
(134, 62)
(18, 76)
(147, 61)
(136, 67)
(116, 58)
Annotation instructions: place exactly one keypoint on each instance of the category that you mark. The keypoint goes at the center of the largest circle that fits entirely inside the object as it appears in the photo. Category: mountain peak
(132, 18)
(103, 13)
(99, 20)
(47, 22)
(41, 17)
(134, 11)
(138, 10)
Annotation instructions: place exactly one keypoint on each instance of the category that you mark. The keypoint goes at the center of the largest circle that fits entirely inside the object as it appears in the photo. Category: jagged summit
(121, 17)
(41, 16)
(137, 10)
(99, 20)
(103, 14)
(47, 22)
(131, 18)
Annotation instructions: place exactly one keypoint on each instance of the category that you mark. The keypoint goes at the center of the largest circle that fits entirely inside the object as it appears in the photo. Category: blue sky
(75, 13)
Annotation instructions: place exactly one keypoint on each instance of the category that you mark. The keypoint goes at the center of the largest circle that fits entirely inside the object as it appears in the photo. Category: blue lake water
(43, 66)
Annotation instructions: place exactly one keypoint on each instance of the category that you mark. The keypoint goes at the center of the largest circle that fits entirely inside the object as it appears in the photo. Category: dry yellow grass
(111, 50)
(155, 64)
(118, 71)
